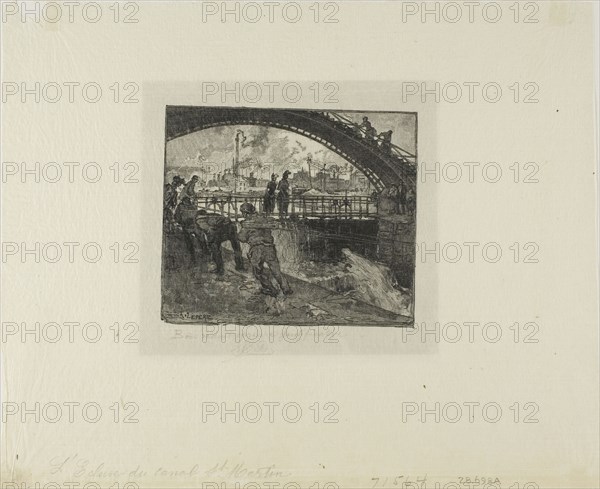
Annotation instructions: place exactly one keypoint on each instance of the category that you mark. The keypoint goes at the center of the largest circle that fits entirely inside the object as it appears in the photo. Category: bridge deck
(337, 207)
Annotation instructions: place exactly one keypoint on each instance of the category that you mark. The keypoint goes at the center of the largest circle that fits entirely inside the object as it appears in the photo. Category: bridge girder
(381, 171)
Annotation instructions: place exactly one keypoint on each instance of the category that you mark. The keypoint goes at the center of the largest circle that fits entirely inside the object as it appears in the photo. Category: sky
(269, 150)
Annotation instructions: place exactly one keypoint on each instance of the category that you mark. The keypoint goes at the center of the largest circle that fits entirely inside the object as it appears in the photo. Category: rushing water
(353, 275)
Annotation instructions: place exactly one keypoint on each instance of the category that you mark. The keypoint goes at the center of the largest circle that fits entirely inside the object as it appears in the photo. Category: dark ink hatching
(277, 216)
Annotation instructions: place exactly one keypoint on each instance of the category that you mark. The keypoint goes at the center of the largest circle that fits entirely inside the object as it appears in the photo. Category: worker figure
(386, 142)
(386, 202)
(256, 231)
(217, 229)
(185, 215)
(269, 200)
(366, 124)
(170, 200)
(369, 130)
(394, 196)
(283, 197)
(411, 201)
(189, 190)
(402, 199)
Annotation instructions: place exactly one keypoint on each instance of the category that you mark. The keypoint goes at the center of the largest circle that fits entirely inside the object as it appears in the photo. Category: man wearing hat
(185, 216)
(170, 199)
(369, 130)
(269, 200)
(216, 230)
(189, 190)
(256, 231)
(283, 197)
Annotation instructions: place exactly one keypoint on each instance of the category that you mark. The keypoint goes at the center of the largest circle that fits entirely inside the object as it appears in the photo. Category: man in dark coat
(185, 215)
(411, 202)
(283, 197)
(170, 200)
(369, 131)
(386, 142)
(402, 198)
(269, 200)
(257, 232)
(189, 190)
(216, 230)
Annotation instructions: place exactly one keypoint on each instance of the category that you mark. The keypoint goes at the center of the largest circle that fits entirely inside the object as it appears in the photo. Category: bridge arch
(380, 168)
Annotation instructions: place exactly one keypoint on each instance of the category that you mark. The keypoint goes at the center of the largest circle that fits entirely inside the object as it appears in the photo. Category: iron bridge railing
(378, 141)
(330, 206)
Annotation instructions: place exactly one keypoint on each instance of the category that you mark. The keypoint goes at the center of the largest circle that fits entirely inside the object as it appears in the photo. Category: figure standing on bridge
(402, 199)
(189, 190)
(256, 231)
(217, 229)
(386, 201)
(394, 195)
(369, 130)
(386, 142)
(411, 202)
(269, 200)
(283, 197)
